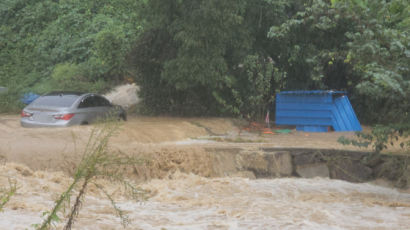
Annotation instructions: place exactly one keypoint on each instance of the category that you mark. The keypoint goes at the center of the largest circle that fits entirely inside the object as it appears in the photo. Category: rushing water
(192, 202)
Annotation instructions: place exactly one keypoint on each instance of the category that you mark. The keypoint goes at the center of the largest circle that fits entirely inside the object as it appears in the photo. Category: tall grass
(7, 192)
(97, 162)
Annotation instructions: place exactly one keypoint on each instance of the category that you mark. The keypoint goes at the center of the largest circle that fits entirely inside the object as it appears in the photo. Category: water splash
(185, 201)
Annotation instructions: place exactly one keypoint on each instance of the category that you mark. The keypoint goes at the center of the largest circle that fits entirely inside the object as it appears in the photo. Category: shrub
(98, 162)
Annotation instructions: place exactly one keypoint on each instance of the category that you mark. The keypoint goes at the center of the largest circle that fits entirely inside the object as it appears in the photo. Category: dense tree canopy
(199, 56)
(361, 47)
(212, 57)
(69, 44)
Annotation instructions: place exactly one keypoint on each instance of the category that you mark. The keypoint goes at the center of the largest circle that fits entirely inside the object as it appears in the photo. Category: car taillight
(26, 114)
(65, 117)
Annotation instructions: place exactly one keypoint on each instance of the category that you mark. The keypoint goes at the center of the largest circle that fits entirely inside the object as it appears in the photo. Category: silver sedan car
(58, 109)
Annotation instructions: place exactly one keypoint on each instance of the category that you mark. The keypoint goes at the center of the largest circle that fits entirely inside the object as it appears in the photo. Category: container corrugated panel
(316, 111)
(345, 116)
(304, 108)
(312, 128)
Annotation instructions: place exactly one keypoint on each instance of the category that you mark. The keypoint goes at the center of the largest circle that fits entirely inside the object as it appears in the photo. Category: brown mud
(188, 201)
(51, 148)
(193, 181)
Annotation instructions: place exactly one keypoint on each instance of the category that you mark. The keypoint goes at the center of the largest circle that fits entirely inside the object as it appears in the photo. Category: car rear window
(55, 101)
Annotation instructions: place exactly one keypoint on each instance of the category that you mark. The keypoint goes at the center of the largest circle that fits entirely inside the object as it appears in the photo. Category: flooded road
(235, 203)
(36, 159)
(186, 201)
(45, 148)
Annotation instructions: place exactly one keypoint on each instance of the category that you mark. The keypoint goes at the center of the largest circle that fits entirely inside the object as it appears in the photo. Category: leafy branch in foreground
(381, 137)
(7, 193)
(97, 163)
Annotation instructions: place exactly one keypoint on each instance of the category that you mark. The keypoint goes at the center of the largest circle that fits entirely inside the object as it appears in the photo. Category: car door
(88, 109)
(104, 107)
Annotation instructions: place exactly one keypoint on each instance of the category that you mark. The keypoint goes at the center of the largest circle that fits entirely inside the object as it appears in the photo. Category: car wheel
(123, 117)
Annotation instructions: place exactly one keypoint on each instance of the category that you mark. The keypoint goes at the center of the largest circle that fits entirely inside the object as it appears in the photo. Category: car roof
(64, 93)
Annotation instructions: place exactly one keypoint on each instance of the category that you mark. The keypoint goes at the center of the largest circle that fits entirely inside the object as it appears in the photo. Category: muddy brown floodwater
(48, 148)
(39, 161)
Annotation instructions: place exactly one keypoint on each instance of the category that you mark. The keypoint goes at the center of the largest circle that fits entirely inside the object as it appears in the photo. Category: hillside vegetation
(211, 57)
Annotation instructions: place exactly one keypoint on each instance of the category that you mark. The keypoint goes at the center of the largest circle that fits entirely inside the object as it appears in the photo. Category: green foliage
(381, 137)
(38, 37)
(189, 56)
(9, 101)
(98, 162)
(68, 76)
(380, 55)
(231, 57)
(353, 46)
(252, 89)
(311, 48)
(7, 193)
(110, 49)
(202, 57)
(66, 72)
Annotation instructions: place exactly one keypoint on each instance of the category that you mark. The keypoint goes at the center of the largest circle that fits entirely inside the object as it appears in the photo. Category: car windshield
(55, 101)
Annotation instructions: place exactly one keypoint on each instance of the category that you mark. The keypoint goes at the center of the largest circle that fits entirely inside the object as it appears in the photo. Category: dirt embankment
(48, 148)
(175, 150)
(163, 138)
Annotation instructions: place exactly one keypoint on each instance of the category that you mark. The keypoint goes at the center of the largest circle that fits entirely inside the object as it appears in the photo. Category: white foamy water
(193, 202)
(191, 142)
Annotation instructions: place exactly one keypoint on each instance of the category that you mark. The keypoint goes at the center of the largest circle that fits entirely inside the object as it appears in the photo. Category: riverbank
(193, 180)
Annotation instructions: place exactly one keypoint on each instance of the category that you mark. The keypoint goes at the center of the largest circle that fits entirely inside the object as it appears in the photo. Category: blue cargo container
(316, 111)
(29, 97)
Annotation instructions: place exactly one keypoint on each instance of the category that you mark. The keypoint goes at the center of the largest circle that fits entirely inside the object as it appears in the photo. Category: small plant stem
(77, 204)
(11, 191)
(46, 223)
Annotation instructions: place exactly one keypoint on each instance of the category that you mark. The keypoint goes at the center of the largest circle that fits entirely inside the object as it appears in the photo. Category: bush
(10, 101)
(98, 162)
